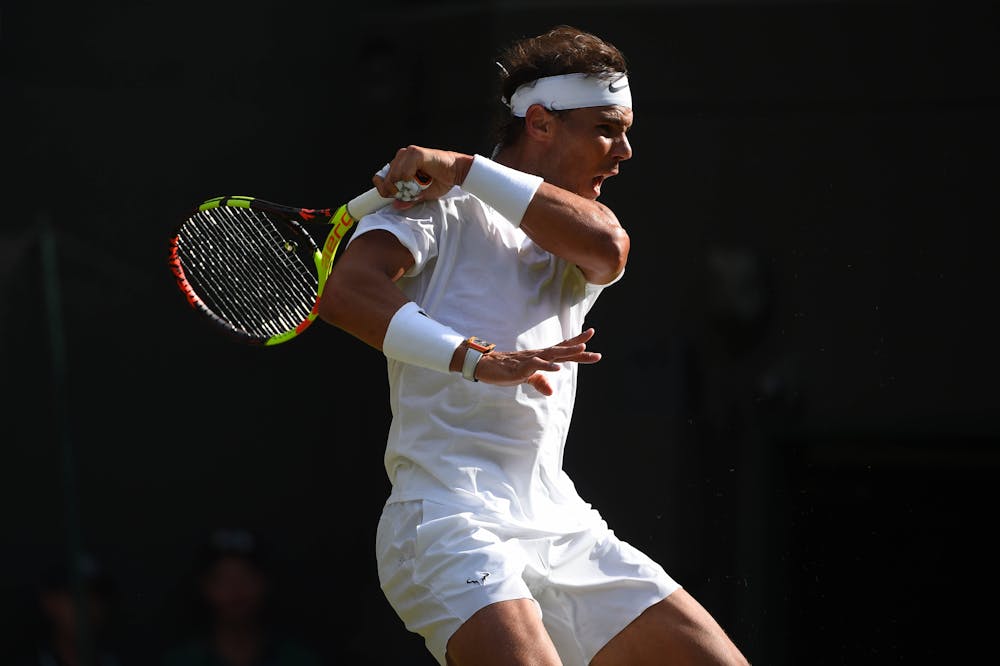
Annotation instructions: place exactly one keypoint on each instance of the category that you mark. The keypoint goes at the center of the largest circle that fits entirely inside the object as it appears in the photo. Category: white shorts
(438, 565)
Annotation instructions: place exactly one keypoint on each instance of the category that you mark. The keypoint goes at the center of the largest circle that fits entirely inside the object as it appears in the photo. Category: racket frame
(342, 220)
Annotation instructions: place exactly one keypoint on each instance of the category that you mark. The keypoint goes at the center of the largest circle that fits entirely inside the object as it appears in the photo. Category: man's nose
(622, 148)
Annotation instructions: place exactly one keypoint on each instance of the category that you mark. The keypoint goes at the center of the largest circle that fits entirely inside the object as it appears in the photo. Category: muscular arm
(579, 230)
(361, 298)
(360, 295)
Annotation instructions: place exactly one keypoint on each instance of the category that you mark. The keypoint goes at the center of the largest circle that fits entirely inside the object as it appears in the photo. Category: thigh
(676, 630)
(439, 567)
(505, 633)
(595, 585)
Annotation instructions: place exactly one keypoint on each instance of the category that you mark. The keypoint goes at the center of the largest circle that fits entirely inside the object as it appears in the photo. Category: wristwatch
(476, 348)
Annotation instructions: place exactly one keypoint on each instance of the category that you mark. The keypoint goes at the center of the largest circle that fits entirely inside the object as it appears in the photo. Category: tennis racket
(253, 268)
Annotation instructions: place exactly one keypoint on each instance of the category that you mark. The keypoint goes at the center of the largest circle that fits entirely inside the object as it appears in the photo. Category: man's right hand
(445, 168)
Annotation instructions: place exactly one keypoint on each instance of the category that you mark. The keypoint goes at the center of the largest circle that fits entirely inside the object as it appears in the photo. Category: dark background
(797, 412)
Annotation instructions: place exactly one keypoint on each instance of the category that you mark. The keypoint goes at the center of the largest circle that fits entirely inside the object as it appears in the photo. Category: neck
(521, 158)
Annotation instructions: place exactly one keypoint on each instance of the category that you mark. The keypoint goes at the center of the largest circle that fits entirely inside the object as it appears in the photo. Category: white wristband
(415, 338)
(507, 190)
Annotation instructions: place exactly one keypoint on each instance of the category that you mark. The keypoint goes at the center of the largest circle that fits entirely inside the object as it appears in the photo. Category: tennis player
(477, 291)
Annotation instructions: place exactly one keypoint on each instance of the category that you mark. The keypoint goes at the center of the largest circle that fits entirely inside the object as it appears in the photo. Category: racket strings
(246, 272)
(289, 280)
(266, 278)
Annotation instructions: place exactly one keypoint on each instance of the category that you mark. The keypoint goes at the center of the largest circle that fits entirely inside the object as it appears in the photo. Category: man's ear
(538, 123)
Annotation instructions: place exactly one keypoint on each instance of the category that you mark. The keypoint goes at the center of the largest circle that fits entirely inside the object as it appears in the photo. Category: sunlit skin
(584, 147)
(576, 150)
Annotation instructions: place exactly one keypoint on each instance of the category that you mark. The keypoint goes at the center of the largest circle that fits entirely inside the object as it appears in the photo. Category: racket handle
(366, 203)
(371, 201)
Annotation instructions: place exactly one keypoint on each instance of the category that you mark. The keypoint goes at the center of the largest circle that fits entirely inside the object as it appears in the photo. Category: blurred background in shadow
(797, 410)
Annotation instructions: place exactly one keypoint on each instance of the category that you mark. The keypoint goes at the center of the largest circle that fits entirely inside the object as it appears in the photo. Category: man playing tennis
(477, 292)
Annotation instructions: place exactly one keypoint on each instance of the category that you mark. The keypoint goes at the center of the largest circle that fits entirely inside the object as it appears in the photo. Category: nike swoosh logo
(613, 88)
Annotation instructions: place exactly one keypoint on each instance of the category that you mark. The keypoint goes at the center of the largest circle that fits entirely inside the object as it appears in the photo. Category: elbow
(618, 248)
(607, 260)
(612, 255)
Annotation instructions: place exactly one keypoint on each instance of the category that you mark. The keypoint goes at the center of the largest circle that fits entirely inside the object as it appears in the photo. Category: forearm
(361, 294)
(579, 230)
(584, 232)
(361, 305)
(361, 298)
(368, 311)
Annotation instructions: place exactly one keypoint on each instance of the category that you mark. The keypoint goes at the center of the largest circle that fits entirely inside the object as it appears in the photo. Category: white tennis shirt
(489, 448)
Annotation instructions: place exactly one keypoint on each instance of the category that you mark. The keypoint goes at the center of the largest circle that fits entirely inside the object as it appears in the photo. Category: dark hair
(561, 50)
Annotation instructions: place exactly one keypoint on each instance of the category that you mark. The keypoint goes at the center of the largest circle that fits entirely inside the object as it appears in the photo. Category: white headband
(571, 91)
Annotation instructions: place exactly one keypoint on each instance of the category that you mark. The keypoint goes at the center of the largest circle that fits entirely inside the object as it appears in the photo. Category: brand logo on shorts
(481, 578)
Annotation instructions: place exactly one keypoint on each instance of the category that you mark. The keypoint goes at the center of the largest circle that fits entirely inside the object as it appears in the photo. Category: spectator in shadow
(235, 623)
(73, 617)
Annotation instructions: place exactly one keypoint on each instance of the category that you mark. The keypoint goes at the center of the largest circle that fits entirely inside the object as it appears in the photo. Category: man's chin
(595, 188)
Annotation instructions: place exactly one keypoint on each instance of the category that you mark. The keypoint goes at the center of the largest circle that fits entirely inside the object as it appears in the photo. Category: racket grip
(366, 203)
(371, 201)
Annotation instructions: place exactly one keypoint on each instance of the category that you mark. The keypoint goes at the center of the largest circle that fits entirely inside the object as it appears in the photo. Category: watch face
(480, 345)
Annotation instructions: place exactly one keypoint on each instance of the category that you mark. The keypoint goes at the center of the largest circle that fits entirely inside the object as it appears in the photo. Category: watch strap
(476, 348)
(472, 358)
